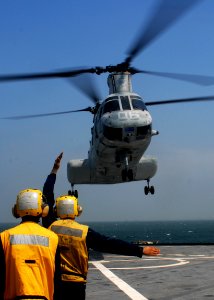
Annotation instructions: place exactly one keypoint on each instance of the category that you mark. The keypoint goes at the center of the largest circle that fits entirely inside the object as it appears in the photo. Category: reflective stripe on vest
(25, 239)
(30, 297)
(67, 231)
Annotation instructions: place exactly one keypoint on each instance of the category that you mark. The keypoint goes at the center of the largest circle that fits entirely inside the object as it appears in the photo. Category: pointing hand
(57, 162)
(151, 251)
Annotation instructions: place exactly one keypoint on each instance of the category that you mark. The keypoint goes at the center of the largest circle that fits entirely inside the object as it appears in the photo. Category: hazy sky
(46, 35)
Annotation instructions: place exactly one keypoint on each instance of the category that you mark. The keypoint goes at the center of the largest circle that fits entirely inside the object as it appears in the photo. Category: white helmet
(67, 207)
(29, 202)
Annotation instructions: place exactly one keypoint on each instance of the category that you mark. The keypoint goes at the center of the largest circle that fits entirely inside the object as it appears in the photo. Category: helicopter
(122, 124)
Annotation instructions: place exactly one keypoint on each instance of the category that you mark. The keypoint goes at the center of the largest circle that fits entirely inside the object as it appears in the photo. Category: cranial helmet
(67, 207)
(30, 202)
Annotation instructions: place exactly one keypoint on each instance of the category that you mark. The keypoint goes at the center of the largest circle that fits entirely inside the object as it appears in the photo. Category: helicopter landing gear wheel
(76, 193)
(146, 190)
(149, 189)
(152, 190)
(73, 192)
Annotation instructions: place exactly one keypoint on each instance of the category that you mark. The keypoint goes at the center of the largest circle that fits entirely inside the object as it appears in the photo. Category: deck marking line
(122, 285)
(178, 262)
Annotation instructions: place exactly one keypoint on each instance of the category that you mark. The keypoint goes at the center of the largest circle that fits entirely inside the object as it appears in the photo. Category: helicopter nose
(129, 134)
(136, 133)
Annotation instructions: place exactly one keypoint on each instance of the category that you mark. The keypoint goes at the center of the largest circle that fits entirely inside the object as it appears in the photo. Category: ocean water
(160, 232)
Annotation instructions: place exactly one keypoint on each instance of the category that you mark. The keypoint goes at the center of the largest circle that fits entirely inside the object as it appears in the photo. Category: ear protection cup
(45, 210)
(80, 210)
(14, 212)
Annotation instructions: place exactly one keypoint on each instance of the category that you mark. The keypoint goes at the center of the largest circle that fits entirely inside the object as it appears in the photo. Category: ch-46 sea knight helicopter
(122, 125)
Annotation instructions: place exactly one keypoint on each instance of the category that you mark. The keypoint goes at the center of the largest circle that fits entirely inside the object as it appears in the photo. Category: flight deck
(178, 273)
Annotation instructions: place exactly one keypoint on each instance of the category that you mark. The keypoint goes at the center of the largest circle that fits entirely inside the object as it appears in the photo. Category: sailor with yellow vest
(72, 240)
(75, 239)
(29, 253)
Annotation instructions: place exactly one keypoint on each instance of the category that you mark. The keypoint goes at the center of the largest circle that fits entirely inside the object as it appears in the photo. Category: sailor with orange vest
(75, 239)
(29, 253)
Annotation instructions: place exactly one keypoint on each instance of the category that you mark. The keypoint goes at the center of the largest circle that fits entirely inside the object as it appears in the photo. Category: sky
(40, 36)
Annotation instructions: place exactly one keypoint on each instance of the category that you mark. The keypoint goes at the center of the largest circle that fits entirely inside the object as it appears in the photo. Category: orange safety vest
(29, 251)
(73, 249)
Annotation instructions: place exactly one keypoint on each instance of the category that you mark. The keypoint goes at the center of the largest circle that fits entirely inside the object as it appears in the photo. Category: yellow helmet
(29, 202)
(67, 207)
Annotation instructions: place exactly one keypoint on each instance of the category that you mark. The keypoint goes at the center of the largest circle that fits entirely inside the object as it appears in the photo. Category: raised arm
(48, 191)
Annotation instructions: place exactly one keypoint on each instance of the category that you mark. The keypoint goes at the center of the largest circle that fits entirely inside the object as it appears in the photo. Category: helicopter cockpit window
(111, 98)
(137, 103)
(111, 106)
(125, 102)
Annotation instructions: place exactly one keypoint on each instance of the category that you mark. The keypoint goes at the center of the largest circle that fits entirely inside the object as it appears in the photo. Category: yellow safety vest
(29, 251)
(73, 249)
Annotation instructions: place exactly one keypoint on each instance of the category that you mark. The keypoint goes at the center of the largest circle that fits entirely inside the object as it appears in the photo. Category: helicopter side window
(137, 103)
(125, 102)
(111, 106)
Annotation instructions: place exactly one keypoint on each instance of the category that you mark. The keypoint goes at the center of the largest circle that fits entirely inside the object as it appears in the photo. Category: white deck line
(122, 285)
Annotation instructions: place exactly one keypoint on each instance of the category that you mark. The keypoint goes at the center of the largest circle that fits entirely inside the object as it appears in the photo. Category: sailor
(29, 253)
(75, 239)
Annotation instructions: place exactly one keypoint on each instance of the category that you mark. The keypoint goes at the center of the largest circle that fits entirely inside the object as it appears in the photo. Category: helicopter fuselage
(121, 134)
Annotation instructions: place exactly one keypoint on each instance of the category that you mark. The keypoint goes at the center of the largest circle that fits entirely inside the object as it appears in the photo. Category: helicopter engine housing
(146, 168)
(78, 170)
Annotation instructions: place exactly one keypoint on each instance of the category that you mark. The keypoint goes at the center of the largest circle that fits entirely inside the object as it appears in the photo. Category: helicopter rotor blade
(197, 79)
(46, 75)
(184, 100)
(165, 14)
(90, 109)
(87, 86)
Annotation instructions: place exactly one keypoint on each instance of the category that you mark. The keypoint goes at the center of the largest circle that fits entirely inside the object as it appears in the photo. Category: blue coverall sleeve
(48, 192)
(102, 243)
